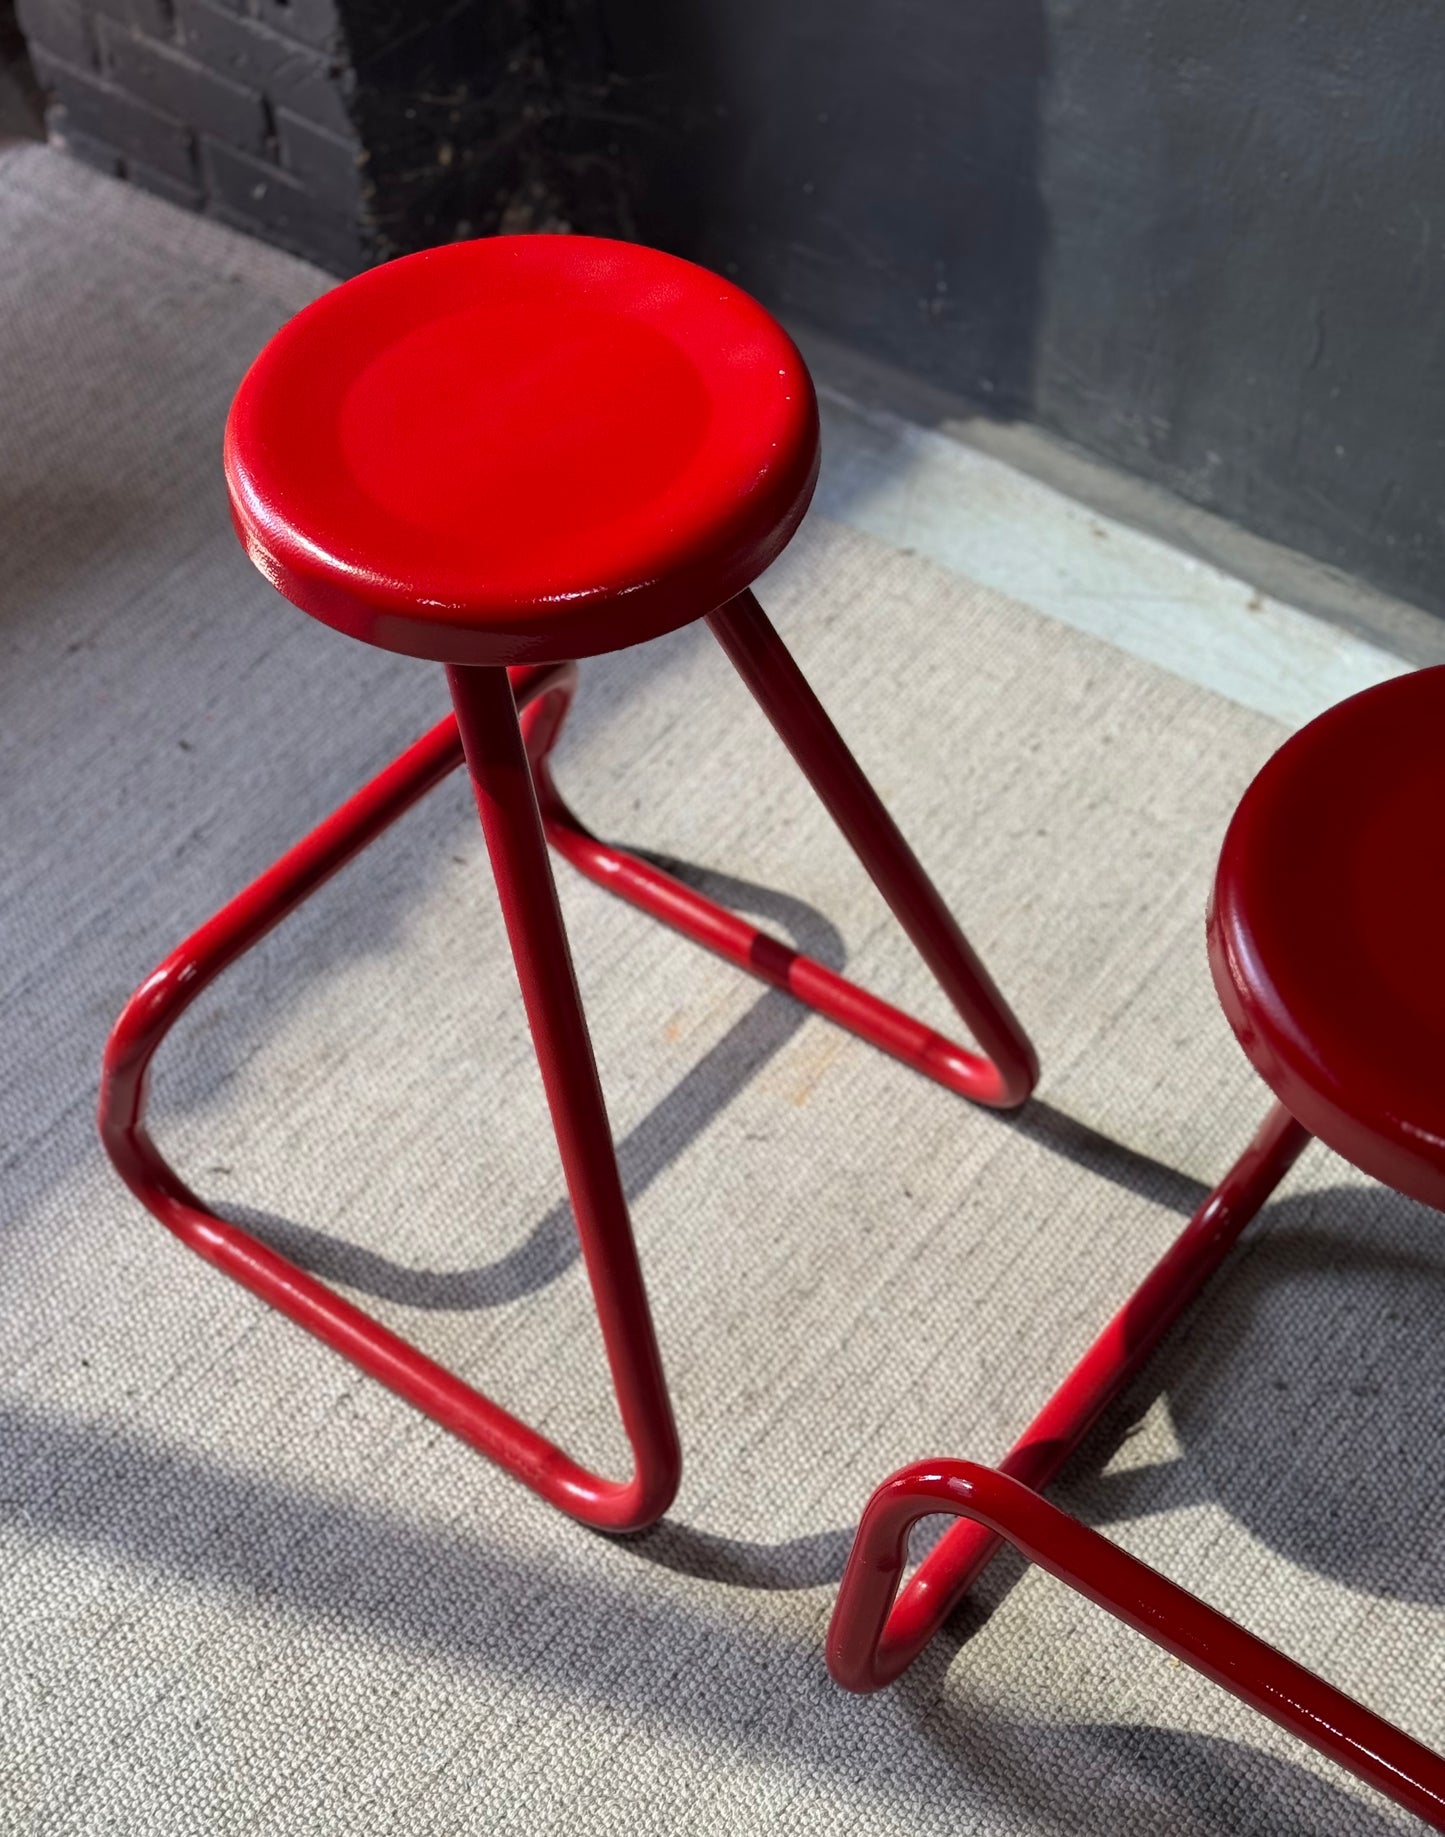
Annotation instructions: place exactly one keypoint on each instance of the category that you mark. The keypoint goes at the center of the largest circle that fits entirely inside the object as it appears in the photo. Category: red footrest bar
(1264, 1678)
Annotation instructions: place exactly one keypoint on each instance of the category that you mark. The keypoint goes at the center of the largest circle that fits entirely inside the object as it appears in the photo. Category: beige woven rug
(242, 1588)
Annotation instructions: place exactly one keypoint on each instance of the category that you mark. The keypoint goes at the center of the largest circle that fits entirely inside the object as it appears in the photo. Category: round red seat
(1327, 930)
(522, 448)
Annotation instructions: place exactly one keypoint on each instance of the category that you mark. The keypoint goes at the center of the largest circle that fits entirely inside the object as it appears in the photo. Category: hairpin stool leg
(1003, 1508)
(866, 1659)
(501, 778)
(500, 774)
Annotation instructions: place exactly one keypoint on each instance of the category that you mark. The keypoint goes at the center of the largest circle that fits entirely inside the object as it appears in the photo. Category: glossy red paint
(1324, 941)
(524, 448)
(504, 794)
(503, 764)
(1007, 1070)
(481, 455)
(868, 1660)
(1327, 929)
(1006, 1509)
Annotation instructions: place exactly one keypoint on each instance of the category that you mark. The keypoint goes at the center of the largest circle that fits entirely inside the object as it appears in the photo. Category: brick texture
(174, 190)
(258, 195)
(297, 78)
(152, 16)
(331, 168)
(92, 106)
(97, 153)
(313, 22)
(60, 28)
(177, 85)
(346, 130)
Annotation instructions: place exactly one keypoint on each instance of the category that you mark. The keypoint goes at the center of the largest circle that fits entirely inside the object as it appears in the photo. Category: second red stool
(1327, 945)
(504, 455)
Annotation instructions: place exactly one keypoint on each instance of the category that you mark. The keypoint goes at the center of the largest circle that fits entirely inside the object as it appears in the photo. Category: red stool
(503, 455)
(1325, 940)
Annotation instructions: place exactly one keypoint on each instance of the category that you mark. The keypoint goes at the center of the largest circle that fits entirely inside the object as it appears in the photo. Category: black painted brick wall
(184, 99)
(344, 130)
(1199, 238)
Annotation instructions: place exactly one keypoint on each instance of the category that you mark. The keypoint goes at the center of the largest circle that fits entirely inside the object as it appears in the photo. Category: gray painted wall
(1204, 241)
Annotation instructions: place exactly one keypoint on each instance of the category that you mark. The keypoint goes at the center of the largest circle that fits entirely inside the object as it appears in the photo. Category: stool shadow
(551, 1248)
(1311, 1429)
(798, 1563)
(662, 1136)
(1304, 1391)
(279, 1549)
(1138, 1779)
(819, 1558)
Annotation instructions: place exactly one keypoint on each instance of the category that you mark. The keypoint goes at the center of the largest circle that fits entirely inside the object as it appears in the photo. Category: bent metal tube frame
(878, 1628)
(504, 725)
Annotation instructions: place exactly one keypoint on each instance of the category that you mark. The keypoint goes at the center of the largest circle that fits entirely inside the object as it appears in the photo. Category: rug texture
(244, 1589)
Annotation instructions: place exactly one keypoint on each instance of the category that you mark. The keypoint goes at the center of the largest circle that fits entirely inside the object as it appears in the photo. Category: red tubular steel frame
(504, 726)
(877, 1630)
(1006, 1072)
(1003, 1508)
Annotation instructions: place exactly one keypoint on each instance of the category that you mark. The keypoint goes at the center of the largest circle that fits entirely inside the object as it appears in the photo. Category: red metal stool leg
(1007, 1072)
(499, 752)
(509, 815)
(955, 1563)
(1010, 1069)
(507, 803)
(1004, 1508)
(877, 1630)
